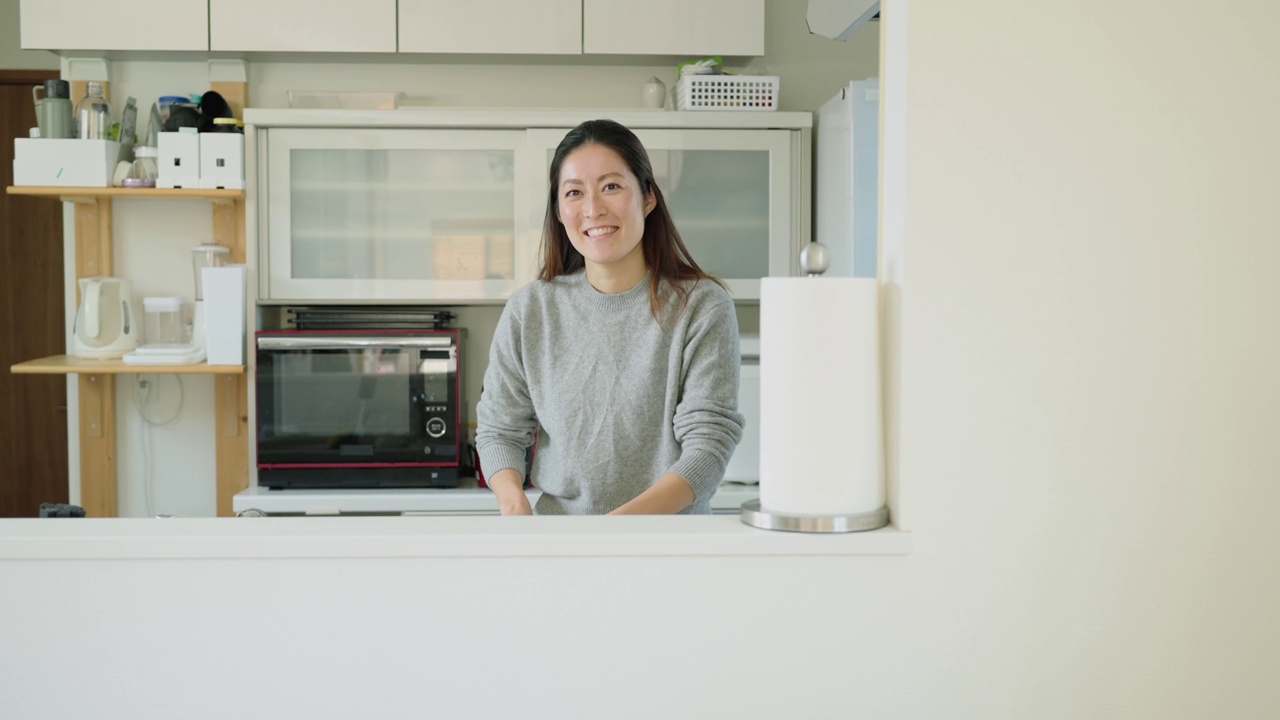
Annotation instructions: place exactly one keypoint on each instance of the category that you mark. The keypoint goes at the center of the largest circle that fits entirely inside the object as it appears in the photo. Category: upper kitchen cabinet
(124, 25)
(300, 26)
(446, 206)
(673, 27)
(393, 214)
(734, 193)
(532, 27)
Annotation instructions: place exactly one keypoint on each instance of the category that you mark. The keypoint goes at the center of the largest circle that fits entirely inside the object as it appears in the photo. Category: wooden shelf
(67, 365)
(92, 194)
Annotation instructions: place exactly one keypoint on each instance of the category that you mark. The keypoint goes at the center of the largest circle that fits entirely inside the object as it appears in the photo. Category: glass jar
(93, 114)
(228, 125)
(145, 167)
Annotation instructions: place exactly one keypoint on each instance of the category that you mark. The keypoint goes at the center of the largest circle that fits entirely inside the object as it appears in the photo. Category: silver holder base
(754, 516)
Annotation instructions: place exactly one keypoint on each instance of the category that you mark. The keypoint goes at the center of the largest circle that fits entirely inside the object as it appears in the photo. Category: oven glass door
(357, 402)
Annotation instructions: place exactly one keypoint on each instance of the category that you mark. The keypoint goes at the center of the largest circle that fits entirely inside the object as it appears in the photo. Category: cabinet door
(123, 25)
(409, 215)
(730, 193)
(491, 26)
(298, 26)
(673, 27)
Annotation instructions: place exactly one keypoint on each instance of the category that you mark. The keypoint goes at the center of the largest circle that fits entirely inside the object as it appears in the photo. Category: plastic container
(207, 255)
(162, 321)
(144, 170)
(749, 93)
(166, 103)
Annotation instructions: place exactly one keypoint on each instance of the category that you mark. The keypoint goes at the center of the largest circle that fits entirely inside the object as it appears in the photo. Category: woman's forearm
(509, 490)
(669, 495)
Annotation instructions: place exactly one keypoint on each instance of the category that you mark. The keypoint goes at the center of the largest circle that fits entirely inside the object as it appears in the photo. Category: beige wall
(12, 56)
(1091, 359)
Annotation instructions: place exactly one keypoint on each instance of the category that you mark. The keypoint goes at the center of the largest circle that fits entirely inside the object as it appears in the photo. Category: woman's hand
(669, 495)
(508, 487)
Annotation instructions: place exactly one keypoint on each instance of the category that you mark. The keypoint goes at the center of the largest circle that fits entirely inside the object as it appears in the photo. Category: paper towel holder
(814, 260)
(755, 516)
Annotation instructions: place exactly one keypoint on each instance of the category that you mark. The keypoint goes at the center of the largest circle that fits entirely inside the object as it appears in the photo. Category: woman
(622, 356)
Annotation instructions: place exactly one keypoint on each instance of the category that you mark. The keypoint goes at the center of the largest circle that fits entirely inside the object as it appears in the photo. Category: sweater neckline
(591, 297)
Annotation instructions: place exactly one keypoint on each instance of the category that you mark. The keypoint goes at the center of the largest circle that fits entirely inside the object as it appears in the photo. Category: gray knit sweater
(617, 400)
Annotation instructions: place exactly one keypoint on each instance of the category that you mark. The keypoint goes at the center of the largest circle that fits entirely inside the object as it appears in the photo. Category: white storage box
(749, 93)
(224, 313)
(62, 162)
(179, 163)
(222, 161)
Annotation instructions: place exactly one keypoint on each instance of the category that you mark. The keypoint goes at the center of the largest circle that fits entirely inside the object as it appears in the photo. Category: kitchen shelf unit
(94, 253)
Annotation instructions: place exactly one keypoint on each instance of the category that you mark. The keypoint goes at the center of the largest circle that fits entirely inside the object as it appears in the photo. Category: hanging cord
(146, 392)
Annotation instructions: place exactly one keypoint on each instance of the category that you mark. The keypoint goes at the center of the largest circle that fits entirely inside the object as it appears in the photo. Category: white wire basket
(750, 93)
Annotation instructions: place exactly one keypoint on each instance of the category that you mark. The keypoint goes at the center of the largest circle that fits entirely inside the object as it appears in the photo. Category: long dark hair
(664, 251)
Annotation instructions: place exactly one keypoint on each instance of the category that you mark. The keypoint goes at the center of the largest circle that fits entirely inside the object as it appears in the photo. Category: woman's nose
(590, 205)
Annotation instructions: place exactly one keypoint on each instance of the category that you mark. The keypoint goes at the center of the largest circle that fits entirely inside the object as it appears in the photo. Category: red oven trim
(307, 466)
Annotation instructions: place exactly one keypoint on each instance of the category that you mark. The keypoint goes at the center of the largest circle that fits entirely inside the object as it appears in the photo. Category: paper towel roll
(821, 443)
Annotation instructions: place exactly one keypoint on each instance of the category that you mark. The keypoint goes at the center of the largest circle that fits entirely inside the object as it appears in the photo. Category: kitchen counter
(468, 499)
(423, 537)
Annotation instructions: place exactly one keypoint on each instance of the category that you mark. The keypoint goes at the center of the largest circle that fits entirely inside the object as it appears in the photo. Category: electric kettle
(105, 325)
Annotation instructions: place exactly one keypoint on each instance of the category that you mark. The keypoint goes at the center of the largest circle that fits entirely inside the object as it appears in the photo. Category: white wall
(1090, 396)
(153, 239)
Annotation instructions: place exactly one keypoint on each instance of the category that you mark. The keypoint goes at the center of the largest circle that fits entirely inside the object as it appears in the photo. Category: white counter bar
(467, 499)
(422, 537)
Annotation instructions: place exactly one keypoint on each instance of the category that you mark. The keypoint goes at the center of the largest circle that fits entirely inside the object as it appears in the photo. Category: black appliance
(359, 408)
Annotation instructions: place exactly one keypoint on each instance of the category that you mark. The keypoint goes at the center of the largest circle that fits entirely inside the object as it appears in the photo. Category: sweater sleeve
(707, 423)
(505, 421)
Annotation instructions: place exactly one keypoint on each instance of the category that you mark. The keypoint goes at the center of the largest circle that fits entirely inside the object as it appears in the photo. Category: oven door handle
(348, 343)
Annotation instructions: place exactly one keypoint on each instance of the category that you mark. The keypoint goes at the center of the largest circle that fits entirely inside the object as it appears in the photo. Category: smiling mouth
(598, 232)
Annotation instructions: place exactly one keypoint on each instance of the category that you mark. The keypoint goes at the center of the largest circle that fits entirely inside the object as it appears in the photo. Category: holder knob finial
(814, 259)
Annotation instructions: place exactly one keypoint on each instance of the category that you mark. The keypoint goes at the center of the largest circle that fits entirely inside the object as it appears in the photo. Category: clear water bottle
(93, 114)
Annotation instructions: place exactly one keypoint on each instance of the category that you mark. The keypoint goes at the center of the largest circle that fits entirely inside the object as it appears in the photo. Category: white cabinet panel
(122, 25)
(491, 26)
(410, 215)
(298, 26)
(673, 27)
(730, 193)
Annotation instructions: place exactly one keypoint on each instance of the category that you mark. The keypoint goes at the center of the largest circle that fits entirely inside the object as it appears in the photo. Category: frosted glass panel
(402, 214)
(720, 202)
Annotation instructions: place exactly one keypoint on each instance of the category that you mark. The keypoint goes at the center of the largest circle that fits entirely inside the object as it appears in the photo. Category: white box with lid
(222, 161)
(60, 162)
(179, 165)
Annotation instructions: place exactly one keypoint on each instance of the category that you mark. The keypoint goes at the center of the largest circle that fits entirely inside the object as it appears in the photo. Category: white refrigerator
(848, 148)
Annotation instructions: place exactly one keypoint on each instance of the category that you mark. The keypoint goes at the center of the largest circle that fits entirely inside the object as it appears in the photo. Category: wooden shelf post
(231, 392)
(97, 391)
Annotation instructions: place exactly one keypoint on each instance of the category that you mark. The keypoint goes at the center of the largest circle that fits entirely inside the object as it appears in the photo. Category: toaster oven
(359, 408)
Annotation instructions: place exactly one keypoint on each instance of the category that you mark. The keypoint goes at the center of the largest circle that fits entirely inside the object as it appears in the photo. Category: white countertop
(438, 536)
(465, 500)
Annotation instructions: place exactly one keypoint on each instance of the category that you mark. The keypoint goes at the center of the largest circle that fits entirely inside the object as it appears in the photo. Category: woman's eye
(612, 186)
(573, 193)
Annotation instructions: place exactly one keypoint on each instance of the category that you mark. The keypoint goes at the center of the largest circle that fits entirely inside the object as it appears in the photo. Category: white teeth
(598, 231)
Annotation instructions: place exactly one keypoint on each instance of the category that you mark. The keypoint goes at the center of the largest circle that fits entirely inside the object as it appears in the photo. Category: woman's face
(602, 208)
